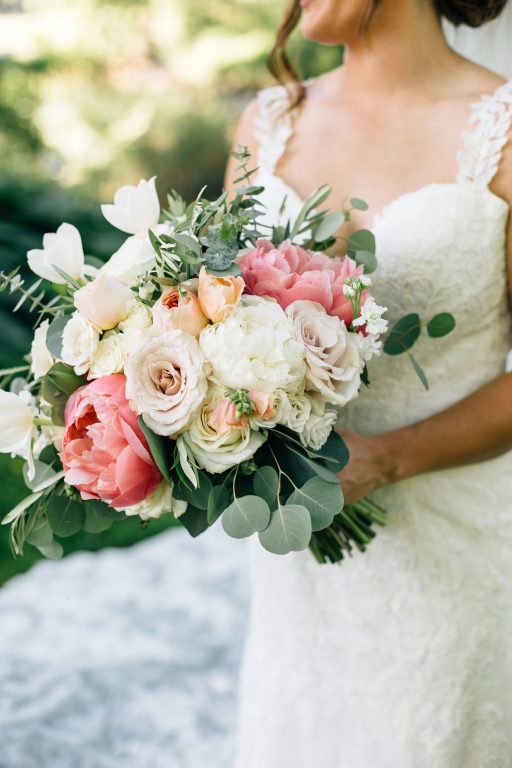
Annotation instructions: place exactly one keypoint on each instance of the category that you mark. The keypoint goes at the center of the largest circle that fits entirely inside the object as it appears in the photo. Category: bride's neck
(397, 53)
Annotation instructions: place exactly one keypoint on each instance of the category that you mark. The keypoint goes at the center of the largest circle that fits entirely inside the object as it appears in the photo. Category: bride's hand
(369, 466)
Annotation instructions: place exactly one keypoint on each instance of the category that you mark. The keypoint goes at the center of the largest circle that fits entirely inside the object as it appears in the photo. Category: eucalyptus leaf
(53, 551)
(244, 516)
(265, 483)
(54, 335)
(289, 530)
(100, 508)
(328, 226)
(65, 516)
(403, 335)
(218, 500)
(362, 240)
(441, 325)
(366, 259)
(358, 204)
(419, 372)
(95, 520)
(232, 271)
(41, 534)
(323, 501)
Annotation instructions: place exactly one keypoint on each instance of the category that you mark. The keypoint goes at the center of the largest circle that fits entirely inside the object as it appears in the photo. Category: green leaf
(244, 516)
(65, 516)
(323, 500)
(366, 259)
(328, 226)
(197, 497)
(265, 483)
(43, 474)
(188, 242)
(18, 510)
(54, 335)
(222, 241)
(232, 271)
(441, 325)
(289, 530)
(218, 500)
(358, 204)
(103, 509)
(159, 447)
(59, 384)
(194, 520)
(362, 240)
(53, 551)
(419, 372)
(315, 199)
(403, 335)
(41, 534)
(95, 520)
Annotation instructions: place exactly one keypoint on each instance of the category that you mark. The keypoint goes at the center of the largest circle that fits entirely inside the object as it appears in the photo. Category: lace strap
(273, 125)
(483, 146)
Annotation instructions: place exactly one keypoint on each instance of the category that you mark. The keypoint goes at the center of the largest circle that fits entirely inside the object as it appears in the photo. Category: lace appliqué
(483, 146)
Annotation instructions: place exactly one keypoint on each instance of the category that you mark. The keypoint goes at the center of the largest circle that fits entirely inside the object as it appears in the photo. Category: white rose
(135, 209)
(16, 424)
(254, 348)
(42, 360)
(139, 316)
(62, 249)
(160, 502)
(332, 353)
(166, 380)
(103, 302)
(217, 451)
(79, 343)
(319, 425)
(110, 356)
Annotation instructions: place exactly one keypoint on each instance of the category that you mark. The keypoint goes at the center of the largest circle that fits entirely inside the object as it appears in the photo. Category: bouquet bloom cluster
(199, 372)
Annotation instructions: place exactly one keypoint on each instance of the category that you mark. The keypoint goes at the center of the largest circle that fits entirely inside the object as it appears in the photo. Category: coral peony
(288, 273)
(104, 452)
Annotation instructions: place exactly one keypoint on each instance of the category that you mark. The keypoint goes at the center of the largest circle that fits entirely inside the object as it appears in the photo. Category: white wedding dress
(401, 657)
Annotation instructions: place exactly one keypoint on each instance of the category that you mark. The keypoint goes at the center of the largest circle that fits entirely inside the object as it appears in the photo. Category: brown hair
(474, 13)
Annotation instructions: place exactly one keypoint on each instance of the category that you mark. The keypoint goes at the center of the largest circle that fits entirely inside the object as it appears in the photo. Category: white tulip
(135, 209)
(42, 360)
(160, 502)
(103, 302)
(79, 343)
(16, 424)
(62, 249)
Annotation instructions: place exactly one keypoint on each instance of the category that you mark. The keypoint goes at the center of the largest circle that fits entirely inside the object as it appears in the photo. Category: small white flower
(365, 281)
(348, 291)
(62, 249)
(16, 424)
(135, 209)
(369, 346)
(42, 360)
(79, 343)
(160, 502)
(371, 317)
(110, 356)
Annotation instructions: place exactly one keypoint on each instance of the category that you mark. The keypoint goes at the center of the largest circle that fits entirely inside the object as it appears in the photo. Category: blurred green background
(95, 94)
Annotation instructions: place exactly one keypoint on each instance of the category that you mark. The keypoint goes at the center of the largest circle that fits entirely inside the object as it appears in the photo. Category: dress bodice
(441, 247)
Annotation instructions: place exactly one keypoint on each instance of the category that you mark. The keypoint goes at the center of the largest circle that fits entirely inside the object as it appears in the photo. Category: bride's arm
(478, 427)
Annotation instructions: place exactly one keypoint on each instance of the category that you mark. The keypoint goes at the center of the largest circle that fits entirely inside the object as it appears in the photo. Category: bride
(399, 657)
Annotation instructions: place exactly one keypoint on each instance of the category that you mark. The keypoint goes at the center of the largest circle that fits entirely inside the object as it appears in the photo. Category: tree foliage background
(98, 93)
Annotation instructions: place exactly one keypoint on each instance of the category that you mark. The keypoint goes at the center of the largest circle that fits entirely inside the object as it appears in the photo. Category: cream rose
(42, 360)
(139, 316)
(319, 425)
(110, 356)
(215, 450)
(332, 353)
(174, 311)
(79, 343)
(160, 502)
(217, 295)
(166, 380)
(254, 348)
(103, 302)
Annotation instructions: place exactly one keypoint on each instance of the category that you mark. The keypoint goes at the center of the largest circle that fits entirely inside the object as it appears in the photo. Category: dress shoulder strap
(273, 125)
(483, 145)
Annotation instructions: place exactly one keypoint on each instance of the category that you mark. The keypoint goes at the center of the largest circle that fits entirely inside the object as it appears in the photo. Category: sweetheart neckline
(385, 209)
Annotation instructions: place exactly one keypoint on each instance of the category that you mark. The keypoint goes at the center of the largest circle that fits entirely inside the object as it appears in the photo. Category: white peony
(110, 356)
(319, 425)
(79, 343)
(166, 380)
(160, 502)
(16, 424)
(135, 209)
(62, 249)
(332, 353)
(103, 302)
(254, 348)
(218, 451)
(42, 360)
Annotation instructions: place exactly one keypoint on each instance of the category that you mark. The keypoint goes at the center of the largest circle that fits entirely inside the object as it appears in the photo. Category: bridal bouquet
(199, 372)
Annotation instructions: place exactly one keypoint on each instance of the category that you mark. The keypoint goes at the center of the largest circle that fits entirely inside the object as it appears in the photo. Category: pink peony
(288, 273)
(104, 452)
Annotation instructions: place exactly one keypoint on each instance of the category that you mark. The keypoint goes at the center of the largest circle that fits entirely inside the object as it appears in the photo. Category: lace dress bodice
(400, 657)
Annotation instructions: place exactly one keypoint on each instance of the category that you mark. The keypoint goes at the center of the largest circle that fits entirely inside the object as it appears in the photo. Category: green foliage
(245, 516)
(441, 325)
(289, 530)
